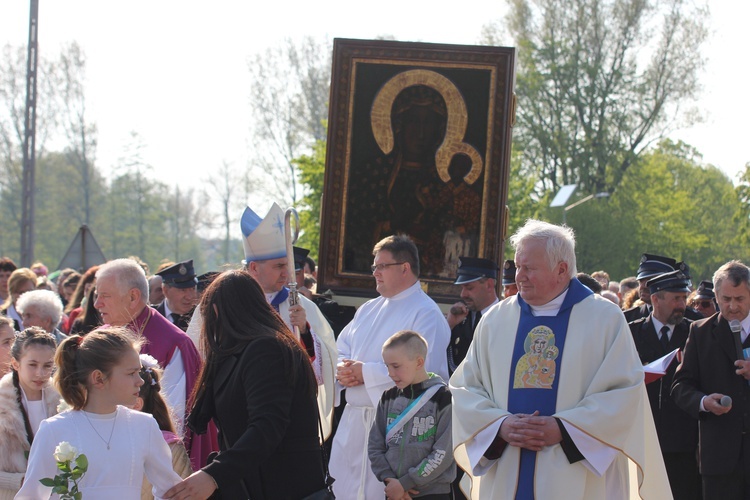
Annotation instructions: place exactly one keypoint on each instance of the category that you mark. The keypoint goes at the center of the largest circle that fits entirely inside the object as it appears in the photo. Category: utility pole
(29, 141)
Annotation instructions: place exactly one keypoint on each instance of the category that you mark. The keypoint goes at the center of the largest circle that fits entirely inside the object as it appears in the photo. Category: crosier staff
(290, 241)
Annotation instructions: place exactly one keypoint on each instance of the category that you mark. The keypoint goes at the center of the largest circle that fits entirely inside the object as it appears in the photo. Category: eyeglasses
(703, 304)
(381, 267)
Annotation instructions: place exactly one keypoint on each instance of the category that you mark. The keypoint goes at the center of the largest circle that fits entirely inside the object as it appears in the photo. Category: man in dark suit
(478, 280)
(656, 335)
(714, 367)
(653, 265)
(179, 285)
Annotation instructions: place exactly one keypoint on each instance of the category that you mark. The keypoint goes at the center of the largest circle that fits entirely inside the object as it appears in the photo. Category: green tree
(668, 203)
(311, 172)
(598, 81)
(81, 134)
(12, 132)
(523, 202)
(743, 216)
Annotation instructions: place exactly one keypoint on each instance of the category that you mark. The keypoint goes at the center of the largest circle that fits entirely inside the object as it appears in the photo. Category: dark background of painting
(474, 86)
(350, 139)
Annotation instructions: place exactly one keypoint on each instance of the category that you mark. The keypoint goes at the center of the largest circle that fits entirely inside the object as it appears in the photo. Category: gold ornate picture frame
(418, 143)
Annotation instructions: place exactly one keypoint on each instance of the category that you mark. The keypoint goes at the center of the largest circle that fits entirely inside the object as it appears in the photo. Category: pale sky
(176, 72)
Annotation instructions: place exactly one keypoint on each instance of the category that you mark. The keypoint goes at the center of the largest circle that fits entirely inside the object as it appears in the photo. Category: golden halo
(453, 144)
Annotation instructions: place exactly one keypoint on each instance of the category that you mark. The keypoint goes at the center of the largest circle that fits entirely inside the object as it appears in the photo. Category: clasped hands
(530, 431)
(395, 491)
(349, 373)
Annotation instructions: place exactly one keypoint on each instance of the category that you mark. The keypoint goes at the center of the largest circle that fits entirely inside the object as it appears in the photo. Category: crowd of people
(249, 384)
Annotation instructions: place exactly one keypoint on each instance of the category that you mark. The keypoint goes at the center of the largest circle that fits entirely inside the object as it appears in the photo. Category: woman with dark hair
(78, 300)
(89, 319)
(258, 385)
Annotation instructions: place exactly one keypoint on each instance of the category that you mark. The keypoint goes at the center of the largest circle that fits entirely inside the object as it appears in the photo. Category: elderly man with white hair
(122, 300)
(550, 398)
(42, 308)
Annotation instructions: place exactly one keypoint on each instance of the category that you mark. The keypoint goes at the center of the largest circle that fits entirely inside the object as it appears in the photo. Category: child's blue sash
(535, 370)
(411, 410)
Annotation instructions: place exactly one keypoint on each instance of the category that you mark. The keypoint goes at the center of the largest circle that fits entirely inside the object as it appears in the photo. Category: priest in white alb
(550, 400)
(402, 305)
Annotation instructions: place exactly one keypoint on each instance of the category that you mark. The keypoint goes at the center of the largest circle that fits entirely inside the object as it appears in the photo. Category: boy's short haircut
(413, 343)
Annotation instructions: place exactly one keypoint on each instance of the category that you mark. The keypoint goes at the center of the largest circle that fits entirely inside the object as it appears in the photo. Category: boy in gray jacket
(410, 444)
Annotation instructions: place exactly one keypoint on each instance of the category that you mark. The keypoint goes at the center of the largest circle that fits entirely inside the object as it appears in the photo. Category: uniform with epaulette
(655, 338)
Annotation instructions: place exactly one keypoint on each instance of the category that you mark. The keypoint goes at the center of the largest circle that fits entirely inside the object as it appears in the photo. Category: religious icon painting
(536, 368)
(418, 143)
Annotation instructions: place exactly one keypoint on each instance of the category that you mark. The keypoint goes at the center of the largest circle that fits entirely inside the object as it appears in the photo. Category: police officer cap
(300, 254)
(180, 275)
(653, 265)
(472, 269)
(675, 281)
(705, 290)
(509, 272)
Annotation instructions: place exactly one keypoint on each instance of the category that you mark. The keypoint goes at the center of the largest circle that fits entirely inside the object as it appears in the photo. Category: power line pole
(29, 142)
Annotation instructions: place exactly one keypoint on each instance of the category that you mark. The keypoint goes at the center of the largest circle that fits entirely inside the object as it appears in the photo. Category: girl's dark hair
(153, 401)
(78, 356)
(89, 319)
(32, 335)
(235, 312)
(75, 300)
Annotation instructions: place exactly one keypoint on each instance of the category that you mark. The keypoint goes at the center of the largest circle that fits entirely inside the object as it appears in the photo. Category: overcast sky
(176, 72)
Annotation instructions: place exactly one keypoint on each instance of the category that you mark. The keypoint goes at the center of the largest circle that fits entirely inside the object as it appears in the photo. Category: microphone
(726, 401)
(736, 328)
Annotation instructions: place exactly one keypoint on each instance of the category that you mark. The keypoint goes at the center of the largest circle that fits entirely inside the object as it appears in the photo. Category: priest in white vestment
(550, 401)
(402, 305)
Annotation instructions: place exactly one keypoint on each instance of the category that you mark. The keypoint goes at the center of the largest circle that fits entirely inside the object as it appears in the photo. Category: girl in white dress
(26, 398)
(98, 375)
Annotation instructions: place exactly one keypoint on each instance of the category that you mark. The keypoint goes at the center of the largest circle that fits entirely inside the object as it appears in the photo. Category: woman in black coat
(258, 385)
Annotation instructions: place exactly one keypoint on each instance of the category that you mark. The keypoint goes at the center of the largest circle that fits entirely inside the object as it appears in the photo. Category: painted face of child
(34, 369)
(402, 370)
(124, 382)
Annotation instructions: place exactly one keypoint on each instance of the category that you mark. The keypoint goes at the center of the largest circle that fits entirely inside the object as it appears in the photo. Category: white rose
(65, 452)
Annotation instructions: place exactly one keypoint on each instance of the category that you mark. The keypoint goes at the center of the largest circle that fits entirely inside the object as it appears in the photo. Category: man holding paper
(549, 401)
(655, 336)
(713, 368)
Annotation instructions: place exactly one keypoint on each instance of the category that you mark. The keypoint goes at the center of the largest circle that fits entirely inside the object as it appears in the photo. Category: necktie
(664, 339)
(477, 317)
(180, 321)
